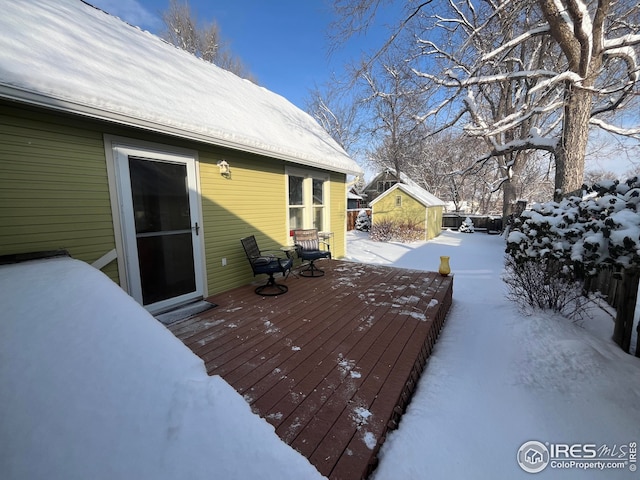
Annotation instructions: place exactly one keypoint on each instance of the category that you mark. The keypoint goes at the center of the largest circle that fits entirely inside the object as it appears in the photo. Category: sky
(283, 43)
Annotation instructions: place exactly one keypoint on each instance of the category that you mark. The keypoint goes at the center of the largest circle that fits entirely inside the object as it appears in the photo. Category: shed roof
(420, 194)
(408, 186)
(70, 56)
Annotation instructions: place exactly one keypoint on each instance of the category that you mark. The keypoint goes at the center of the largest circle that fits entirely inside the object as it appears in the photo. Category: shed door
(160, 215)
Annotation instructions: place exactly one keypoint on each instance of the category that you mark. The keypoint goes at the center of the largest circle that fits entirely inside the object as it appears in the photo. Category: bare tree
(535, 181)
(521, 74)
(600, 46)
(593, 176)
(393, 101)
(204, 41)
(337, 115)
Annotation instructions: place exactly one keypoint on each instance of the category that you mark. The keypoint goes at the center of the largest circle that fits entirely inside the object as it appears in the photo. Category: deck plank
(331, 364)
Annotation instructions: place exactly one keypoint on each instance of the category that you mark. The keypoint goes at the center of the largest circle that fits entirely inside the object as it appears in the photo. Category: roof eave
(405, 189)
(12, 93)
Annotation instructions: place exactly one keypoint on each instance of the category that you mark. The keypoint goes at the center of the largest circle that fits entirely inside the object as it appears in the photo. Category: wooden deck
(332, 363)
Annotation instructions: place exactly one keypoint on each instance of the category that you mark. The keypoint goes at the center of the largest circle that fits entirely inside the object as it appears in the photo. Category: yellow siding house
(147, 162)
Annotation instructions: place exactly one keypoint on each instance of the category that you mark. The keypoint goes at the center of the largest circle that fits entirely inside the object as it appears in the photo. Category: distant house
(148, 162)
(354, 200)
(382, 182)
(405, 203)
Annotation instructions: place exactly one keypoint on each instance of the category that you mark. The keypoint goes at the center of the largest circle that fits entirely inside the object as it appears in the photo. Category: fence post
(626, 308)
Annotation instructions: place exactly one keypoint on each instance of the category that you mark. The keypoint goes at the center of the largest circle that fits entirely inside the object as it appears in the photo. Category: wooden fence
(608, 283)
(483, 223)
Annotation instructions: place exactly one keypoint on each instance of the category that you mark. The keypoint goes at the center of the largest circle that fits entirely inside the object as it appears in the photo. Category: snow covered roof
(411, 188)
(419, 193)
(69, 56)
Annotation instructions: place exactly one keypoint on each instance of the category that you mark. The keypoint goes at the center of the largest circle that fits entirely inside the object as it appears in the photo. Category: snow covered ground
(91, 386)
(499, 378)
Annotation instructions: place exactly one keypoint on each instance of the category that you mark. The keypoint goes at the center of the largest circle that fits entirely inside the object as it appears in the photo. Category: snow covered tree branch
(506, 67)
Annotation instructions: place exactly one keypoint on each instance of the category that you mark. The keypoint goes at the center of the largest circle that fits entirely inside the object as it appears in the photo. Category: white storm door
(160, 225)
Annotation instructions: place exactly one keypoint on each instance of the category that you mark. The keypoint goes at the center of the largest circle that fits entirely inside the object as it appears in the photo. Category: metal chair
(307, 245)
(269, 263)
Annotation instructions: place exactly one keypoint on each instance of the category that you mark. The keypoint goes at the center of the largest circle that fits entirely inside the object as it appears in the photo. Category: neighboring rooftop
(409, 186)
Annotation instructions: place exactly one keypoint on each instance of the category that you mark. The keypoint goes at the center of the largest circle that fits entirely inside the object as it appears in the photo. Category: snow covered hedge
(554, 246)
(397, 231)
(582, 234)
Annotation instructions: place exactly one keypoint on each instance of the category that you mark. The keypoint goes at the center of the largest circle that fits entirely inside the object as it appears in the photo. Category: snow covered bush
(363, 222)
(467, 226)
(399, 231)
(542, 285)
(601, 229)
(569, 240)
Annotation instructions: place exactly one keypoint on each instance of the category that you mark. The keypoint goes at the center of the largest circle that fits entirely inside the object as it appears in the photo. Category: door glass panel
(160, 195)
(164, 237)
(164, 272)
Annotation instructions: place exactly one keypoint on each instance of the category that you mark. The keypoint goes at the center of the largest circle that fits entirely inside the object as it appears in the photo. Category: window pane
(318, 217)
(295, 190)
(295, 218)
(318, 194)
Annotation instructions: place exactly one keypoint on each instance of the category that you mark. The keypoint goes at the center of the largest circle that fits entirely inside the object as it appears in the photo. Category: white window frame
(308, 208)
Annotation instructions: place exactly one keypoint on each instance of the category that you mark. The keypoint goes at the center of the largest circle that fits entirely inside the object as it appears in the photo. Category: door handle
(197, 228)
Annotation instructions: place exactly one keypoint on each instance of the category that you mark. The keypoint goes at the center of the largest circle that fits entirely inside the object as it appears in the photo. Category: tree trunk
(571, 149)
(509, 198)
(626, 309)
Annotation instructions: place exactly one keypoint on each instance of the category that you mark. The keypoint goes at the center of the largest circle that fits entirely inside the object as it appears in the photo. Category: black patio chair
(269, 263)
(308, 245)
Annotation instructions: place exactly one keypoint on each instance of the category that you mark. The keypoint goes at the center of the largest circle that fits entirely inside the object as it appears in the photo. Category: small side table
(290, 250)
(326, 237)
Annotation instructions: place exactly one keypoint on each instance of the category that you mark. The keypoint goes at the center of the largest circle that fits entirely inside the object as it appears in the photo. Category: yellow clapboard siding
(434, 221)
(88, 228)
(338, 211)
(31, 208)
(53, 187)
(410, 211)
(54, 193)
(251, 202)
